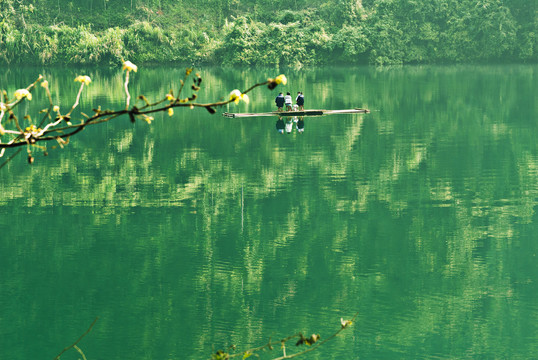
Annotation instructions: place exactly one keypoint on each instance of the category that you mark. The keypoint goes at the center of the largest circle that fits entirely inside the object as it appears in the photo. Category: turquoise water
(198, 231)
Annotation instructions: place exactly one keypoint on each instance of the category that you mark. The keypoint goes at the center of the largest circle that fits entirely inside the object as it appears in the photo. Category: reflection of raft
(298, 113)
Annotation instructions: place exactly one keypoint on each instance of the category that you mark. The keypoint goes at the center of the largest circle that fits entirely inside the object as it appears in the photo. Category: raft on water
(298, 113)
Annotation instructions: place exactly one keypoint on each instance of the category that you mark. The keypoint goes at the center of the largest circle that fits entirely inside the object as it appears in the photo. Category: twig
(74, 345)
(77, 100)
(126, 88)
(9, 158)
(80, 352)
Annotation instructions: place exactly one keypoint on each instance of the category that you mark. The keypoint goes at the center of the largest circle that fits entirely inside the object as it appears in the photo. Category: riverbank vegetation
(268, 33)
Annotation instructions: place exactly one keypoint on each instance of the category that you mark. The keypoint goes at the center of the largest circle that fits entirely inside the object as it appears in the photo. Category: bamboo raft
(297, 113)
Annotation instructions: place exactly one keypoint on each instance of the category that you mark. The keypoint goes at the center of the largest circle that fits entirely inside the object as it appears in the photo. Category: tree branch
(54, 129)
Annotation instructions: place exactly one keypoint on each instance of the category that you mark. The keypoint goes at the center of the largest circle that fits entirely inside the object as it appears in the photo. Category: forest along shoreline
(264, 33)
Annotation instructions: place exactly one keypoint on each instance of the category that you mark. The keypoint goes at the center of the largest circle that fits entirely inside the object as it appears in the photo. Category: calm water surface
(198, 232)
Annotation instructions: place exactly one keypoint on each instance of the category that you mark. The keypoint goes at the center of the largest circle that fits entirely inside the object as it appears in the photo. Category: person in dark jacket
(300, 125)
(279, 101)
(280, 125)
(299, 100)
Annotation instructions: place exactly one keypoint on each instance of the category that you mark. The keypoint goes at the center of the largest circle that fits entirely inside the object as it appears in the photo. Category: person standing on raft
(279, 101)
(287, 100)
(299, 100)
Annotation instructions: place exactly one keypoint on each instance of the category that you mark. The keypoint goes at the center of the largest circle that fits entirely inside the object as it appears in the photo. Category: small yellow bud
(23, 93)
(281, 79)
(45, 83)
(56, 108)
(170, 97)
(31, 128)
(235, 95)
(129, 66)
(170, 111)
(84, 79)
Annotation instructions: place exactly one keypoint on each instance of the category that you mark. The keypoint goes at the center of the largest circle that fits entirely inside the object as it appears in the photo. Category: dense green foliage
(287, 33)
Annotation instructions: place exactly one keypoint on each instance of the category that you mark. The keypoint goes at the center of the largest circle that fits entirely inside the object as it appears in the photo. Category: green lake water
(198, 231)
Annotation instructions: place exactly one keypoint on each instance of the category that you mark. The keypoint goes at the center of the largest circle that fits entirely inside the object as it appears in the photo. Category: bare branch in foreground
(57, 127)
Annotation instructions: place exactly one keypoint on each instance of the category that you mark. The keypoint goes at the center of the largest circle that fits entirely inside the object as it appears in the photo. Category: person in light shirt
(288, 101)
(289, 125)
